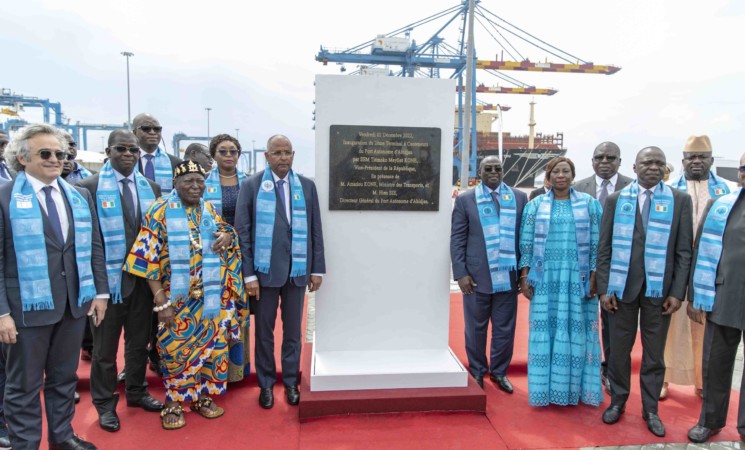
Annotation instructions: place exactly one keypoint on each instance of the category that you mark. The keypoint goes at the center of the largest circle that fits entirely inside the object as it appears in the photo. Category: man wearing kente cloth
(685, 338)
(192, 262)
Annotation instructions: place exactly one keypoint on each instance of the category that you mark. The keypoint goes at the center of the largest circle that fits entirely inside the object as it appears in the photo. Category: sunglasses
(147, 129)
(742, 169)
(70, 157)
(495, 169)
(231, 152)
(122, 149)
(605, 157)
(46, 154)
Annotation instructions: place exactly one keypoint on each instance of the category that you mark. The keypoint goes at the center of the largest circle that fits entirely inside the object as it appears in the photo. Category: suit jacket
(589, 185)
(281, 260)
(467, 243)
(63, 269)
(729, 309)
(536, 192)
(678, 259)
(131, 230)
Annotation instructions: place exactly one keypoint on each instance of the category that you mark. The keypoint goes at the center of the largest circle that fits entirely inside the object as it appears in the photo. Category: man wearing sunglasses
(154, 163)
(71, 170)
(606, 159)
(122, 196)
(490, 212)
(50, 231)
(685, 338)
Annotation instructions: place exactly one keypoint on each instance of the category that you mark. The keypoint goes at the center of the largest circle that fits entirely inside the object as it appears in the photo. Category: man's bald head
(650, 166)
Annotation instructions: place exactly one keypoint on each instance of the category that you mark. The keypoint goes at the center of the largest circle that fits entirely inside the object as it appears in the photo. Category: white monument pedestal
(382, 311)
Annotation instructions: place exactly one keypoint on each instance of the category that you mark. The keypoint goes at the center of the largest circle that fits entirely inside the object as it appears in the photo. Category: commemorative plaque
(376, 168)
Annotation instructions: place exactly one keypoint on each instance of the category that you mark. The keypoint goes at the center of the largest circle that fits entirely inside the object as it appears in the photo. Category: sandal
(176, 410)
(203, 403)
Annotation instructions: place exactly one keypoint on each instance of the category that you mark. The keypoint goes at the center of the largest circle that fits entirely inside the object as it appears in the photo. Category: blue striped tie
(53, 214)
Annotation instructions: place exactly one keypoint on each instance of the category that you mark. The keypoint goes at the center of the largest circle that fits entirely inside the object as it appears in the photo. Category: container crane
(436, 55)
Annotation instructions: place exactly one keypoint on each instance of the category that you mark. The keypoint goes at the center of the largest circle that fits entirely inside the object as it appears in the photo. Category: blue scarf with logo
(31, 249)
(109, 207)
(213, 188)
(499, 234)
(717, 185)
(656, 242)
(79, 173)
(581, 213)
(710, 250)
(266, 208)
(179, 229)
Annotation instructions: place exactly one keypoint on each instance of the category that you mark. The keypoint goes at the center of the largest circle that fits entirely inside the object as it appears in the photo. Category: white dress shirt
(611, 184)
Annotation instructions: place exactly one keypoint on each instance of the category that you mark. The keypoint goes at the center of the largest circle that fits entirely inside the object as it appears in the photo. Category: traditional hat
(187, 167)
(698, 144)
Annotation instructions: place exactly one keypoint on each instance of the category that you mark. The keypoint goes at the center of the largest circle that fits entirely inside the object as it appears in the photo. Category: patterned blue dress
(563, 348)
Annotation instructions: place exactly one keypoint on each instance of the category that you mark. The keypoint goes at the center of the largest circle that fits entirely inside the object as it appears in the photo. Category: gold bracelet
(523, 276)
(158, 292)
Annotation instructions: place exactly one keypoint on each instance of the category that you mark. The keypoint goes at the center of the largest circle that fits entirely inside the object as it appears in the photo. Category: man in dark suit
(41, 341)
(724, 324)
(606, 159)
(541, 190)
(482, 301)
(134, 313)
(634, 307)
(278, 281)
(149, 135)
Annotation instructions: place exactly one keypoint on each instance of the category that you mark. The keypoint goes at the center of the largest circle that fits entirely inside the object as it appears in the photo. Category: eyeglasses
(3, 144)
(73, 144)
(70, 157)
(122, 149)
(231, 152)
(148, 129)
(492, 169)
(46, 154)
(286, 153)
(742, 169)
(608, 158)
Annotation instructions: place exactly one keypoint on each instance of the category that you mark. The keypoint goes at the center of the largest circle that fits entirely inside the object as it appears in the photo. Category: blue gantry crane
(436, 56)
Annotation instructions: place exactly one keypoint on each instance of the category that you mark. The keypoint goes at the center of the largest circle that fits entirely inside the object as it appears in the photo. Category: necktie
(4, 173)
(603, 192)
(149, 168)
(53, 214)
(129, 207)
(281, 189)
(646, 209)
(495, 197)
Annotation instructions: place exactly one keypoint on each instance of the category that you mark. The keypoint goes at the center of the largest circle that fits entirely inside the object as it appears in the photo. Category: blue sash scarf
(717, 185)
(31, 250)
(656, 242)
(710, 250)
(162, 168)
(499, 234)
(109, 207)
(266, 207)
(179, 231)
(581, 213)
(213, 188)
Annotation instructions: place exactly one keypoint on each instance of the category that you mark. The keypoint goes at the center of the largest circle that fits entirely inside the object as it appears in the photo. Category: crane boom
(527, 66)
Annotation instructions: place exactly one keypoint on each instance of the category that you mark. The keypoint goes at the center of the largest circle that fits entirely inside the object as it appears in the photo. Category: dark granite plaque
(384, 168)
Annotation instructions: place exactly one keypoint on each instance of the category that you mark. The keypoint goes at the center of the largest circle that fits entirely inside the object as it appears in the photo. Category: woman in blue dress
(559, 243)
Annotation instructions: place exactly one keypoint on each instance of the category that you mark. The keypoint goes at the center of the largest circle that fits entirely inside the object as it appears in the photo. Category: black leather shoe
(122, 377)
(74, 443)
(612, 414)
(4, 439)
(479, 380)
(700, 434)
(266, 398)
(76, 397)
(654, 424)
(292, 394)
(109, 421)
(502, 382)
(146, 402)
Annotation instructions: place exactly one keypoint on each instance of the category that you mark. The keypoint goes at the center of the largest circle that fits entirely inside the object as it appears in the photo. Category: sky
(254, 64)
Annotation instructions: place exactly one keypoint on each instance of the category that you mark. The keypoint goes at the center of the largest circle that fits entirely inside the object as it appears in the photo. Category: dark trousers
(133, 315)
(720, 350)
(87, 338)
(501, 310)
(265, 316)
(623, 328)
(45, 356)
(605, 340)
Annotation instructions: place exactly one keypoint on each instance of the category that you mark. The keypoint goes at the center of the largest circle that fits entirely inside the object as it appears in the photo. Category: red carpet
(509, 422)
